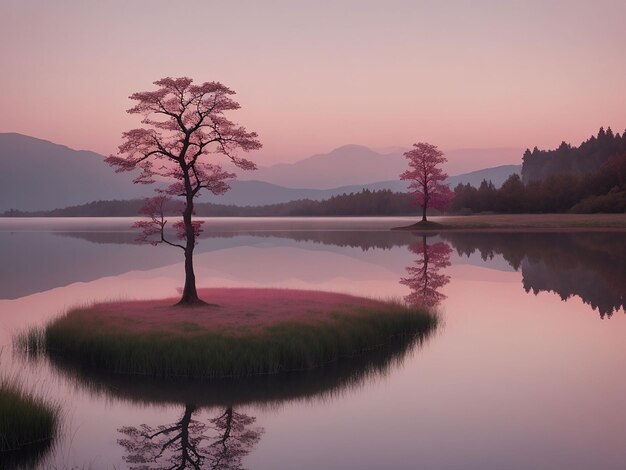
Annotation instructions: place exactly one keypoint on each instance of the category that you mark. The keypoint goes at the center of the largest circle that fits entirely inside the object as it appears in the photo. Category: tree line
(364, 203)
(587, 158)
(602, 190)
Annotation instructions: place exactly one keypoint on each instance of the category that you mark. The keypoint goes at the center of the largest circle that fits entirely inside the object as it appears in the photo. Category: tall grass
(334, 379)
(30, 343)
(28, 426)
(212, 353)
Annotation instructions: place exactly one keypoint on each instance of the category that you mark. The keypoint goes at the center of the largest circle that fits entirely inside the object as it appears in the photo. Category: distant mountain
(497, 175)
(252, 192)
(258, 193)
(37, 175)
(347, 165)
(359, 165)
(466, 160)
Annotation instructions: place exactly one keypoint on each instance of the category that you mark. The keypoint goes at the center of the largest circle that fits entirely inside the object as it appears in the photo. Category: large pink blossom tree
(426, 177)
(184, 130)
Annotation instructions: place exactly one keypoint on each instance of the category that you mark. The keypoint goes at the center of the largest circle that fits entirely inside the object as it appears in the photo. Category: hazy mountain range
(253, 192)
(359, 165)
(39, 175)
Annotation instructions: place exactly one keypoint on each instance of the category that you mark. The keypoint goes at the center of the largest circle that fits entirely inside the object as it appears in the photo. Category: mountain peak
(30, 142)
(352, 148)
(56, 175)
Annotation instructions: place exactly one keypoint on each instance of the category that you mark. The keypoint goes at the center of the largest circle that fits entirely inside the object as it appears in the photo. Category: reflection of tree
(424, 279)
(231, 436)
(189, 443)
(71, 262)
(589, 265)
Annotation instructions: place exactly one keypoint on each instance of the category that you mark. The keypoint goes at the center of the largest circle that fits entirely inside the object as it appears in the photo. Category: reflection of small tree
(424, 279)
(189, 443)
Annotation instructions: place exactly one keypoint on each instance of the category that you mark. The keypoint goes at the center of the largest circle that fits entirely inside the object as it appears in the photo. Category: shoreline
(478, 222)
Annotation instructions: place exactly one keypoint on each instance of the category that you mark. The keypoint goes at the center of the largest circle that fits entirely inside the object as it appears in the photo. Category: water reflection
(425, 279)
(469, 400)
(191, 443)
(365, 240)
(591, 266)
(336, 378)
(29, 457)
(222, 441)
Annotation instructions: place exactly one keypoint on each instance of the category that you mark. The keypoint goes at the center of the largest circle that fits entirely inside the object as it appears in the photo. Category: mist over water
(524, 371)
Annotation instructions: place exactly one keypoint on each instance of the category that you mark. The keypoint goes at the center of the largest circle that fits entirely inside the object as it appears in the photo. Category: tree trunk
(190, 294)
(425, 204)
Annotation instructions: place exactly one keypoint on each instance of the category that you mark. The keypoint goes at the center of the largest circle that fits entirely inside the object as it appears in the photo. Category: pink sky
(312, 76)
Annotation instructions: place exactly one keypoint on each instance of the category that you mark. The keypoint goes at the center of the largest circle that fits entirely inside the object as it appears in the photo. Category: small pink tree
(427, 177)
(184, 126)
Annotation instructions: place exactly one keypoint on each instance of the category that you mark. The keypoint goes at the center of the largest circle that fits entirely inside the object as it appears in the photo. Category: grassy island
(27, 426)
(243, 332)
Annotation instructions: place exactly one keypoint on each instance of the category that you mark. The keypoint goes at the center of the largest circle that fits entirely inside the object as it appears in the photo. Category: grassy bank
(526, 222)
(251, 332)
(334, 379)
(27, 426)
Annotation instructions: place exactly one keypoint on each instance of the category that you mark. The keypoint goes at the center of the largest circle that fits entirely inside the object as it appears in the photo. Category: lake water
(526, 370)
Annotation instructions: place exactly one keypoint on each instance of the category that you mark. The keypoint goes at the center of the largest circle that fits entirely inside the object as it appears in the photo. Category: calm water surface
(525, 371)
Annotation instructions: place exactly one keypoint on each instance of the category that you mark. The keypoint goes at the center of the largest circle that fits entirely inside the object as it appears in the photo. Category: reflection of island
(34, 455)
(345, 374)
(424, 279)
(191, 443)
(224, 440)
(589, 265)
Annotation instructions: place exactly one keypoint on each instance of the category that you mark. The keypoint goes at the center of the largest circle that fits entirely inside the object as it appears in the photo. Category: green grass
(210, 353)
(30, 343)
(271, 390)
(27, 426)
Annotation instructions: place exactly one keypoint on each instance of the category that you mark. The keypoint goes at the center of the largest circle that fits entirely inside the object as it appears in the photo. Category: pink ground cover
(236, 308)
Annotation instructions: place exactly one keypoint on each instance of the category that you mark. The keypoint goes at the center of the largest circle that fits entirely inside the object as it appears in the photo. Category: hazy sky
(314, 75)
